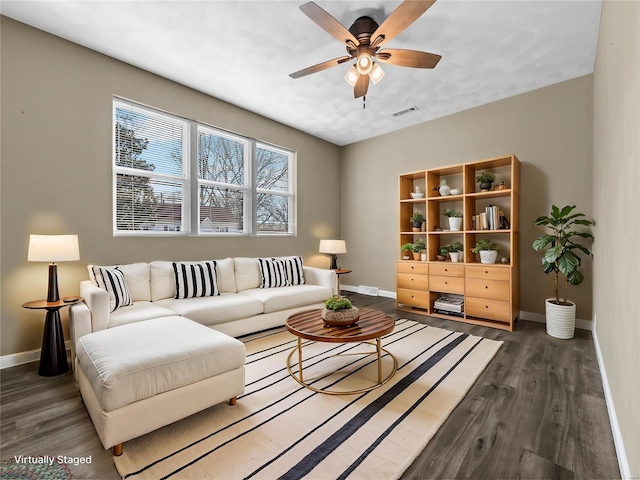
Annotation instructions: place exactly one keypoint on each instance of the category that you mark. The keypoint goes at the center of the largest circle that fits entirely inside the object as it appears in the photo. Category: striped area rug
(278, 429)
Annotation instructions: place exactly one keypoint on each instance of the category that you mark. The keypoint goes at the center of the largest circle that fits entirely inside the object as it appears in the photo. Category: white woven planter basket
(561, 319)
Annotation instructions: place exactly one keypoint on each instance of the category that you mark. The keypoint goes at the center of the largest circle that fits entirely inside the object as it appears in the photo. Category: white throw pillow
(293, 268)
(112, 280)
(273, 273)
(195, 279)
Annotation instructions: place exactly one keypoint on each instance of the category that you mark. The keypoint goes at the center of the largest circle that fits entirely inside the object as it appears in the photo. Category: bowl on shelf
(417, 195)
(455, 191)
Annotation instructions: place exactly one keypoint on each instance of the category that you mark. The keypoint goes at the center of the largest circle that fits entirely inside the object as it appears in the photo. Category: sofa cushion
(247, 273)
(137, 361)
(294, 268)
(195, 279)
(163, 283)
(138, 312)
(112, 280)
(273, 273)
(137, 277)
(213, 310)
(276, 299)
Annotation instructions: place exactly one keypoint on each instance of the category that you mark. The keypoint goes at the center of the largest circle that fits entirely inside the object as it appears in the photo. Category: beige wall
(549, 130)
(616, 185)
(56, 170)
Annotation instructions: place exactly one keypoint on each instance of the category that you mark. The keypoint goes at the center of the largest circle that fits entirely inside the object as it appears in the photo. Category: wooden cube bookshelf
(491, 292)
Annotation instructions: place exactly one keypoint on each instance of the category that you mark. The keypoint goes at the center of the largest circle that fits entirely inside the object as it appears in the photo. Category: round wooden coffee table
(371, 325)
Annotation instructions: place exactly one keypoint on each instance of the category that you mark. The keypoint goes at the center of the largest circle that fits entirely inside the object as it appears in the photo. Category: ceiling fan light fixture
(352, 76)
(364, 63)
(376, 73)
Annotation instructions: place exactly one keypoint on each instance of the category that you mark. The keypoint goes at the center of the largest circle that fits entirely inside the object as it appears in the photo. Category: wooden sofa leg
(232, 401)
(117, 450)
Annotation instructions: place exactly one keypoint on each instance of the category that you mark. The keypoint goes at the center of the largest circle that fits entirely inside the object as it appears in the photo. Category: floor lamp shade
(53, 248)
(333, 248)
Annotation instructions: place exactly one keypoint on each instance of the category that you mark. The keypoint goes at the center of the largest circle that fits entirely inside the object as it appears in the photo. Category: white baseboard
(21, 358)
(354, 289)
(623, 461)
(539, 317)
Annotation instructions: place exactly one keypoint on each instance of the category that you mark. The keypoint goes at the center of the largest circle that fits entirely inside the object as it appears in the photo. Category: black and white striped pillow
(195, 279)
(273, 273)
(293, 268)
(112, 280)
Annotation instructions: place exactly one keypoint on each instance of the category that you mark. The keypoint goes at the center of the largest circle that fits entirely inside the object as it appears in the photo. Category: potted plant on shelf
(560, 257)
(406, 250)
(455, 218)
(338, 311)
(455, 251)
(487, 249)
(443, 251)
(416, 219)
(485, 179)
(417, 247)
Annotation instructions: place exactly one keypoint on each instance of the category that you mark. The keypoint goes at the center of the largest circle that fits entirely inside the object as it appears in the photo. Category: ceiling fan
(364, 41)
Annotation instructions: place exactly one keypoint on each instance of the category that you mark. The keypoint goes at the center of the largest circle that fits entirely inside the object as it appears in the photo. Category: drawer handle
(446, 283)
(486, 306)
(446, 269)
(486, 286)
(411, 267)
(486, 271)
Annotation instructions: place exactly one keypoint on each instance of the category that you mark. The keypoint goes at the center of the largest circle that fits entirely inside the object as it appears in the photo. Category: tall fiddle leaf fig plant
(560, 246)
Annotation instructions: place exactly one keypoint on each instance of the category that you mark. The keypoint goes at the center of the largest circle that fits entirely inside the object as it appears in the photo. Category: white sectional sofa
(144, 358)
(241, 308)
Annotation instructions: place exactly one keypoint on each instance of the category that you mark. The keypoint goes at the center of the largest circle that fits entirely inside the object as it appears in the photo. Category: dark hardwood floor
(536, 412)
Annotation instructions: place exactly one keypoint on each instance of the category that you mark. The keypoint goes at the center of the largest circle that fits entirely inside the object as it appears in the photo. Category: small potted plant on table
(487, 249)
(485, 179)
(407, 250)
(455, 218)
(560, 257)
(338, 311)
(443, 251)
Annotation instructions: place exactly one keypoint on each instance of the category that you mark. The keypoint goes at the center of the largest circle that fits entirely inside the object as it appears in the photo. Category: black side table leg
(53, 356)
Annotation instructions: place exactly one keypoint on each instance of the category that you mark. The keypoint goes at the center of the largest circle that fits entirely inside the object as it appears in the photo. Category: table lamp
(53, 248)
(333, 248)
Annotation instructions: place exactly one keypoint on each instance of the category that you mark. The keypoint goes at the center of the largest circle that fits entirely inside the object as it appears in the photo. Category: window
(225, 185)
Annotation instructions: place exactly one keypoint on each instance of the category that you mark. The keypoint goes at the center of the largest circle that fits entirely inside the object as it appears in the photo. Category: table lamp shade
(333, 247)
(53, 248)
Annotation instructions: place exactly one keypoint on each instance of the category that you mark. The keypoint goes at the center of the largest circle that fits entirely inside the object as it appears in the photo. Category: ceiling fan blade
(403, 16)
(408, 58)
(361, 87)
(319, 67)
(328, 23)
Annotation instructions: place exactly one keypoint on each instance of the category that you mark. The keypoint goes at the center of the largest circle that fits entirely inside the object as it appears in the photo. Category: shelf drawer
(481, 288)
(490, 273)
(414, 298)
(414, 282)
(418, 268)
(446, 284)
(447, 269)
(486, 308)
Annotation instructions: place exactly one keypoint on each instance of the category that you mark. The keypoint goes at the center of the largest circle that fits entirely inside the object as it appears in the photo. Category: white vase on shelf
(444, 188)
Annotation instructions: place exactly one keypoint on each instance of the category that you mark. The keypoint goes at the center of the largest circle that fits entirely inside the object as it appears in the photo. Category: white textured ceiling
(243, 52)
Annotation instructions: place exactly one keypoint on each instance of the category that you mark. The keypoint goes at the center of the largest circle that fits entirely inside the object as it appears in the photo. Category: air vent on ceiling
(405, 111)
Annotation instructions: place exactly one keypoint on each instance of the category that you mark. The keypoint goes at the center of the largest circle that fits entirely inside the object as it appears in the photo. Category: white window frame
(190, 183)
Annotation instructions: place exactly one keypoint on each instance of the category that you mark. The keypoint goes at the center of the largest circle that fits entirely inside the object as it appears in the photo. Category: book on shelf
(491, 219)
(450, 303)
